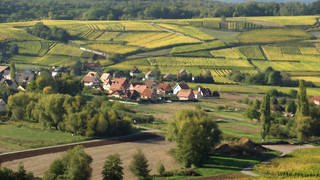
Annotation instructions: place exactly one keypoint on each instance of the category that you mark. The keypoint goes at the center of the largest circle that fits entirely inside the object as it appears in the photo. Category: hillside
(249, 45)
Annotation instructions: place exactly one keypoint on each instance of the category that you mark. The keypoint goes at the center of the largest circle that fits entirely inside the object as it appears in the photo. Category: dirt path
(284, 149)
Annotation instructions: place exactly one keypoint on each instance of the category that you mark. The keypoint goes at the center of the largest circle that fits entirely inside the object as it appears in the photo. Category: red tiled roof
(185, 93)
(149, 83)
(315, 98)
(119, 84)
(140, 88)
(147, 93)
(90, 77)
(164, 86)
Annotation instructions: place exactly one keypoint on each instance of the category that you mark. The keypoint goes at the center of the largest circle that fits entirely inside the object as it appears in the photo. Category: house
(25, 77)
(118, 84)
(135, 72)
(91, 79)
(58, 71)
(315, 100)
(5, 72)
(197, 94)
(132, 95)
(138, 87)
(183, 72)
(204, 92)
(186, 95)
(105, 78)
(180, 86)
(164, 89)
(148, 94)
(169, 77)
(149, 76)
(151, 84)
(91, 66)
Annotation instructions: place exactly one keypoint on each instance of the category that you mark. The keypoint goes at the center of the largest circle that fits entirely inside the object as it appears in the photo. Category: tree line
(21, 10)
(74, 114)
(45, 32)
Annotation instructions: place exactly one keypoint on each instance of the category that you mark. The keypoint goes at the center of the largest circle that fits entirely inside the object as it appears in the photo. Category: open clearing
(153, 149)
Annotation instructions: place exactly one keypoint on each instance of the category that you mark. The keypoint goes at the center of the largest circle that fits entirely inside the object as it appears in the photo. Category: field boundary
(10, 156)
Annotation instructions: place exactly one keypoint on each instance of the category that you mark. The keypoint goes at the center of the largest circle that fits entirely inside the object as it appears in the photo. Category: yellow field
(155, 39)
(276, 53)
(286, 20)
(229, 53)
(189, 31)
(113, 48)
(273, 35)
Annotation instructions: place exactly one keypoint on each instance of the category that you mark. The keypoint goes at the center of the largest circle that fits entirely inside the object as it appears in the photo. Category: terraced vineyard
(252, 44)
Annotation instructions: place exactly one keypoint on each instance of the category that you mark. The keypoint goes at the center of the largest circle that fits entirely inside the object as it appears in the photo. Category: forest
(20, 10)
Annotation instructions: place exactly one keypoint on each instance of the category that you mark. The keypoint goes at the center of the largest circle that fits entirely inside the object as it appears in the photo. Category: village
(146, 87)
(133, 87)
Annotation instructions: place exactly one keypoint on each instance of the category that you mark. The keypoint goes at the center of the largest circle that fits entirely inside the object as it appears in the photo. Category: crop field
(189, 31)
(113, 48)
(291, 53)
(108, 36)
(285, 20)
(273, 35)
(252, 52)
(198, 47)
(300, 164)
(153, 40)
(289, 66)
(229, 53)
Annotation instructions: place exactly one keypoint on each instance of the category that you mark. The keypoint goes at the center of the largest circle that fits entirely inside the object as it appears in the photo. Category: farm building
(91, 79)
(186, 95)
(180, 86)
(315, 100)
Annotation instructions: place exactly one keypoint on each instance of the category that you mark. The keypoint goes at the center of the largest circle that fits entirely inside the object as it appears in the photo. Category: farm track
(93, 143)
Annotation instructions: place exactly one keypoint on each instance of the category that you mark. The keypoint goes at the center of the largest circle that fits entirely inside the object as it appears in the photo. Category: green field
(18, 136)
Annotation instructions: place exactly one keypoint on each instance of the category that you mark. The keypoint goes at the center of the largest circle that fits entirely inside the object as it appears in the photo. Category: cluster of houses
(148, 89)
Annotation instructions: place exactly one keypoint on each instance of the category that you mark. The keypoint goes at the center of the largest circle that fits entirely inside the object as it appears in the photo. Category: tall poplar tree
(303, 119)
(265, 117)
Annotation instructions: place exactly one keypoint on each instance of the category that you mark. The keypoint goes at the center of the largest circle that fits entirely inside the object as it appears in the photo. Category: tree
(139, 165)
(265, 116)
(74, 165)
(21, 174)
(112, 169)
(196, 134)
(12, 71)
(291, 107)
(253, 110)
(303, 119)
(161, 169)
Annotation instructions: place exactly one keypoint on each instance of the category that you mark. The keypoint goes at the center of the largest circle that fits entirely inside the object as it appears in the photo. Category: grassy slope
(28, 135)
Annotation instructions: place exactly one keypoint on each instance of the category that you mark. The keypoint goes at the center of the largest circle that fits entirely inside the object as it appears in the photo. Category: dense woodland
(21, 10)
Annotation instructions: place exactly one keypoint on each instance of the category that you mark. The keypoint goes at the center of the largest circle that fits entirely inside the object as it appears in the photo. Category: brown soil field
(156, 151)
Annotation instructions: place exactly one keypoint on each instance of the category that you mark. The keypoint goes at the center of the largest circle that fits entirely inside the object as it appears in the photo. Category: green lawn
(28, 135)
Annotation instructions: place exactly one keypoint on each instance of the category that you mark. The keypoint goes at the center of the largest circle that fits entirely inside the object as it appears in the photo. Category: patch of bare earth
(155, 150)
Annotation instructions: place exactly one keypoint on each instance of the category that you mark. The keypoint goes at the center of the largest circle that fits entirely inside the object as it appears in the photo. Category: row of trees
(268, 77)
(75, 164)
(140, 9)
(45, 32)
(96, 117)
